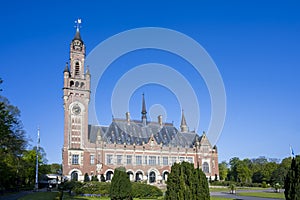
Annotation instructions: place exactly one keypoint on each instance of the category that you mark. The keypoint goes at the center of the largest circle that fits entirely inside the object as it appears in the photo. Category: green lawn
(40, 196)
(67, 197)
(263, 194)
(219, 189)
(219, 198)
(52, 195)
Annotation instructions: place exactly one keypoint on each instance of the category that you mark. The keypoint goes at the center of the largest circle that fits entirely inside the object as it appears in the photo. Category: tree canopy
(12, 144)
(186, 182)
(292, 181)
(17, 164)
(121, 188)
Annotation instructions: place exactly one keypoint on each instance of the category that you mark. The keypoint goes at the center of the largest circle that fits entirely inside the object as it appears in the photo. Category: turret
(144, 112)
(183, 126)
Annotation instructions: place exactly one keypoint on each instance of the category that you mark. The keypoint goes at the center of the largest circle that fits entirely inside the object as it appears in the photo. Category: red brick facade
(92, 149)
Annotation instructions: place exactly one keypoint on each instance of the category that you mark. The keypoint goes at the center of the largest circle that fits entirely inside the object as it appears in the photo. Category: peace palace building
(146, 149)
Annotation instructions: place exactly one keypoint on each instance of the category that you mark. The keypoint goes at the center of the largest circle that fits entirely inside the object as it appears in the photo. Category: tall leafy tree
(186, 182)
(279, 174)
(29, 163)
(223, 170)
(12, 144)
(243, 172)
(121, 188)
(292, 181)
(232, 173)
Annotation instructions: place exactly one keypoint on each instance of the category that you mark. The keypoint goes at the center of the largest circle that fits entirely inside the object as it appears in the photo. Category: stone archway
(152, 177)
(109, 175)
(130, 175)
(165, 175)
(138, 176)
(74, 176)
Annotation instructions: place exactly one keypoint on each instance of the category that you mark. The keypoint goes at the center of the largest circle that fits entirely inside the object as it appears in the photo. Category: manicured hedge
(139, 190)
(142, 190)
(93, 187)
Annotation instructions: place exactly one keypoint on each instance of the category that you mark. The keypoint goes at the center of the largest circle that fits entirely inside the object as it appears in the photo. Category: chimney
(128, 117)
(160, 120)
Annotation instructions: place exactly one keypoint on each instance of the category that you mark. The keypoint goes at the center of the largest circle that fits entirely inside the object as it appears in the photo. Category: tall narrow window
(75, 159)
(92, 159)
(152, 160)
(165, 161)
(205, 167)
(119, 159)
(109, 159)
(129, 159)
(77, 68)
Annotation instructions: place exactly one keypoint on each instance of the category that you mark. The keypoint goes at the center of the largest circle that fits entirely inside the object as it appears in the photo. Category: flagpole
(37, 162)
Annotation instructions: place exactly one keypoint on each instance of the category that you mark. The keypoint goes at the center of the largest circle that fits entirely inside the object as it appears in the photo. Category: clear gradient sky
(255, 45)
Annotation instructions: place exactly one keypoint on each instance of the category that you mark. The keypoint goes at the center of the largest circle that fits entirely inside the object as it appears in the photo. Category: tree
(186, 182)
(86, 177)
(12, 144)
(29, 163)
(243, 172)
(232, 173)
(102, 178)
(223, 170)
(279, 174)
(120, 188)
(292, 181)
(55, 168)
(95, 178)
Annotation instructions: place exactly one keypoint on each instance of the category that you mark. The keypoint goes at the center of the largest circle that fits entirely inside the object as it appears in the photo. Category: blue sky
(255, 45)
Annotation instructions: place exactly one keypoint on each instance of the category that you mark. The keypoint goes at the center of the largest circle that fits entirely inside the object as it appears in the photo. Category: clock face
(77, 45)
(76, 109)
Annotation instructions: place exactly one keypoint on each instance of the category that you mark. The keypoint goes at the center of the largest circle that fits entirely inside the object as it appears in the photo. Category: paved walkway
(236, 197)
(14, 196)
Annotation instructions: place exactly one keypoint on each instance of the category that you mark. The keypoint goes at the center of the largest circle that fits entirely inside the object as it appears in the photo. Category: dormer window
(77, 68)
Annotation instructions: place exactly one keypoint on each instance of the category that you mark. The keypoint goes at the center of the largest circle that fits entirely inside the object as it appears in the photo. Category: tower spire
(77, 35)
(144, 112)
(183, 125)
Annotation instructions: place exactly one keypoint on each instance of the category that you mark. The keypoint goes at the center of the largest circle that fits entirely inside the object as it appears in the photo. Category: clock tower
(76, 96)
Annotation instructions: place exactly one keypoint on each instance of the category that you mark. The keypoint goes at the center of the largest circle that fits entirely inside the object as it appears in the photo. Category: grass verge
(220, 198)
(263, 194)
(40, 196)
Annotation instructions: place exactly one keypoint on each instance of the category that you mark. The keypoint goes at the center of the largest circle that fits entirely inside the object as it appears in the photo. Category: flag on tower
(292, 152)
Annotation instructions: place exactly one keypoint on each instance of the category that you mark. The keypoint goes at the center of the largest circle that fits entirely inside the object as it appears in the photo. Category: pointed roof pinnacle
(144, 112)
(183, 121)
(67, 67)
(88, 70)
(77, 34)
(183, 125)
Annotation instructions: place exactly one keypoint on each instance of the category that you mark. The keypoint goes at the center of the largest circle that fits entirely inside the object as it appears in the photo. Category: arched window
(77, 68)
(109, 175)
(130, 175)
(205, 167)
(139, 176)
(152, 177)
(74, 176)
(165, 176)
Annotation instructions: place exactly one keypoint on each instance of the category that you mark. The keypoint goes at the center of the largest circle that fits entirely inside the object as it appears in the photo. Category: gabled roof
(120, 131)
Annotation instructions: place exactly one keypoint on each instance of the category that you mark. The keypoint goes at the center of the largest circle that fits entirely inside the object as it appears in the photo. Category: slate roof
(77, 36)
(120, 132)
